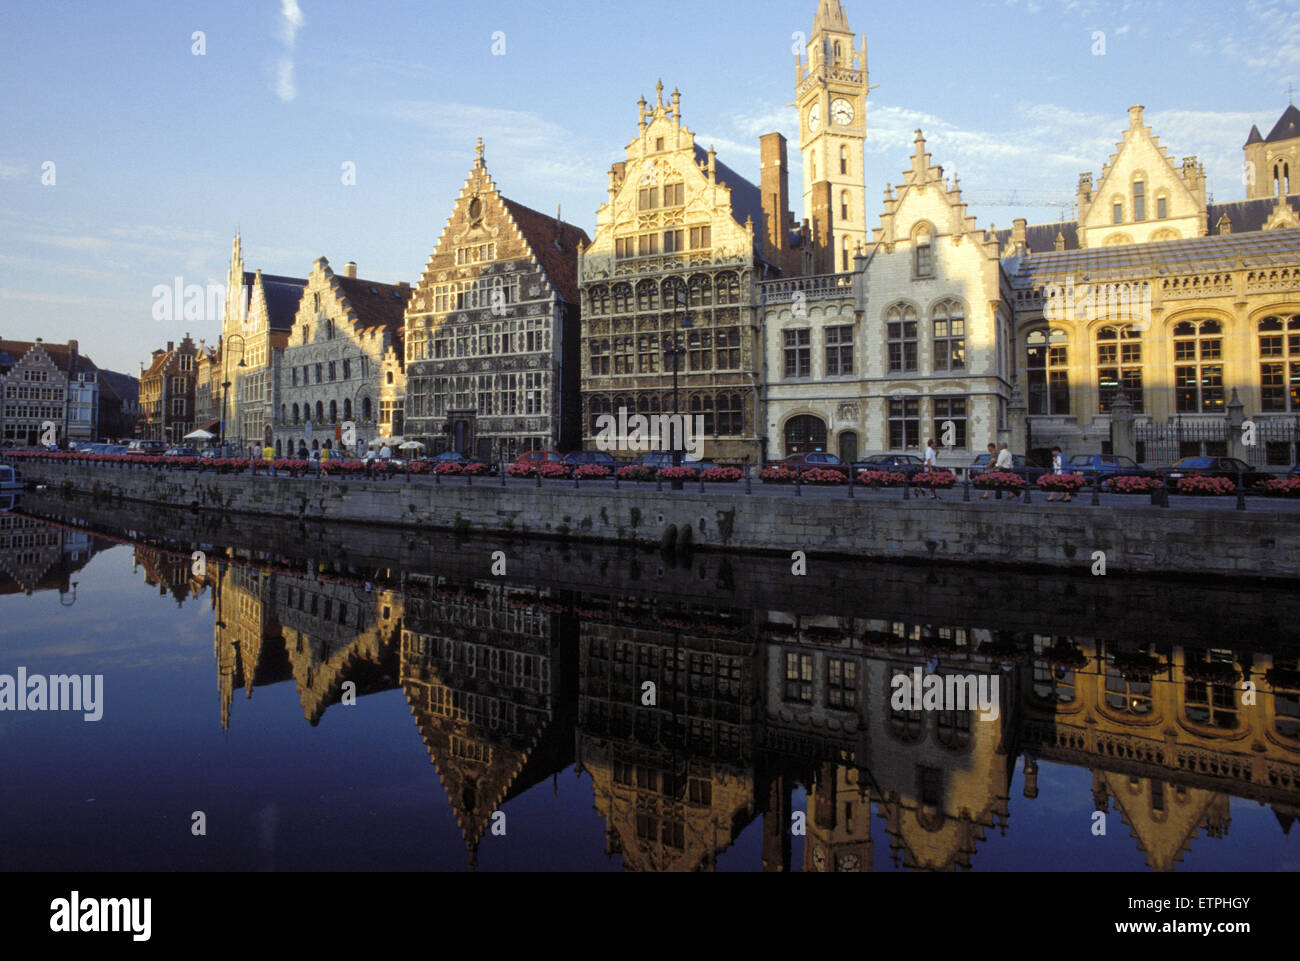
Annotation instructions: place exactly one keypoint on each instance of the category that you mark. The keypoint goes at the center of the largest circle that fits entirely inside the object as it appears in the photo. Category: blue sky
(160, 154)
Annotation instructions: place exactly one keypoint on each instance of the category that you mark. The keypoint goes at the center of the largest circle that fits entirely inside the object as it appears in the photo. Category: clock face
(842, 111)
(815, 117)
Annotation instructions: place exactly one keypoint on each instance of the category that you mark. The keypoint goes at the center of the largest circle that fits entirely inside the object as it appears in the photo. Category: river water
(282, 697)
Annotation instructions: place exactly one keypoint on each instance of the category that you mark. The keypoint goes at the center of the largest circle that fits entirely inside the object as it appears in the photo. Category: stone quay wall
(1139, 539)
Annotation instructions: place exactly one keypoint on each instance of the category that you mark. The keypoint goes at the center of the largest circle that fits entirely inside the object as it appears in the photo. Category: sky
(140, 136)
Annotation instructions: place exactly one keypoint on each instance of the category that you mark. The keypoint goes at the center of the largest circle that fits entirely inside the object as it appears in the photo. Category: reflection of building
(672, 766)
(492, 332)
(170, 572)
(1168, 739)
(36, 557)
(484, 673)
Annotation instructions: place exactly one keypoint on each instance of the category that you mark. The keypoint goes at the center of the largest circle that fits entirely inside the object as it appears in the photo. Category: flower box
(1199, 486)
(776, 475)
(679, 473)
(592, 472)
(636, 473)
(998, 481)
(823, 477)
(881, 478)
(1135, 485)
(1061, 483)
(1280, 486)
(722, 475)
(934, 479)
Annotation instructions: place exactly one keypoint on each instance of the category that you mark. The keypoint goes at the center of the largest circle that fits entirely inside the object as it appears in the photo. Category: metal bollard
(1241, 491)
(852, 481)
(798, 482)
(437, 479)
(659, 482)
(469, 480)
(701, 482)
(538, 475)
(1028, 499)
(577, 482)
(501, 469)
(617, 479)
(906, 492)
(1096, 492)
(966, 490)
(748, 485)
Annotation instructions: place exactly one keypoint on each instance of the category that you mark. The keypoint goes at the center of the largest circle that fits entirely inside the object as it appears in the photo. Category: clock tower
(831, 94)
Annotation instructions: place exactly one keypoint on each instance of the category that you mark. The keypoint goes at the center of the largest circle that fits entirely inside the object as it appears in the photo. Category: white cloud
(291, 21)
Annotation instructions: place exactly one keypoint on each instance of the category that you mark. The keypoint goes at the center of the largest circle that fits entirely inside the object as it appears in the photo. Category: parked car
(1228, 467)
(181, 452)
(1022, 467)
(905, 464)
(147, 447)
(1104, 467)
(603, 458)
(1295, 469)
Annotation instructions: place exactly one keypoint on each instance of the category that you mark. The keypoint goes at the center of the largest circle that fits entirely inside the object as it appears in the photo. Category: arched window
(844, 164)
(838, 53)
(1117, 211)
(1139, 201)
(844, 255)
(1279, 363)
(701, 291)
(949, 323)
(805, 434)
(728, 288)
(598, 300)
(320, 412)
(284, 413)
(622, 299)
(597, 407)
(702, 406)
(389, 378)
(295, 414)
(1049, 372)
(924, 254)
(365, 409)
(278, 451)
(1126, 692)
(1119, 366)
(1198, 367)
(334, 412)
(731, 415)
(347, 409)
(900, 327)
(647, 295)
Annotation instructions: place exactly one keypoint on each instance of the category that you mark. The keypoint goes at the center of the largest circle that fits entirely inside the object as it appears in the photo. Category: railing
(820, 287)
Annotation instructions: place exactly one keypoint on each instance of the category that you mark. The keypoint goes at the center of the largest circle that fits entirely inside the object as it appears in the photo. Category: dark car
(906, 464)
(1022, 467)
(600, 457)
(1228, 467)
(147, 447)
(1295, 469)
(1104, 467)
(181, 452)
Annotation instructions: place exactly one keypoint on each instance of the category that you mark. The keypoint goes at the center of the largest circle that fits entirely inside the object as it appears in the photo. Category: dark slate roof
(12, 351)
(1171, 257)
(555, 245)
(746, 199)
(125, 386)
(377, 305)
(1287, 128)
(282, 297)
(1246, 215)
(1041, 238)
(1255, 135)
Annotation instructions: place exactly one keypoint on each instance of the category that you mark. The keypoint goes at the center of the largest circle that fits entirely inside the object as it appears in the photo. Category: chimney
(350, 269)
(1135, 117)
(171, 345)
(776, 197)
(1019, 235)
(74, 346)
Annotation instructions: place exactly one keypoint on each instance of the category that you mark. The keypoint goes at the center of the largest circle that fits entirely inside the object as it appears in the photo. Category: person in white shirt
(1005, 463)
(932, 464)
(385, 453)
(1058, 467)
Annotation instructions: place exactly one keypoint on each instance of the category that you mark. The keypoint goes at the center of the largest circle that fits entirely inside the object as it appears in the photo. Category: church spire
(831, 16)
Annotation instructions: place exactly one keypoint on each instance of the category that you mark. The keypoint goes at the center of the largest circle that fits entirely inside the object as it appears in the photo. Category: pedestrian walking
(1058, 467)
(1006, 463)
(993, 456)
(932, 465)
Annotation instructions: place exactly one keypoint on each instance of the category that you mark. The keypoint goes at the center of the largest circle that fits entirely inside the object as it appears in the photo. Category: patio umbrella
(200, 435)
(412, 445)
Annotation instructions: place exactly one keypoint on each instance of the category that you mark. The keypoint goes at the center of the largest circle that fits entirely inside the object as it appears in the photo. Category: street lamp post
(225, 380)
(681, 302)
(356, 415)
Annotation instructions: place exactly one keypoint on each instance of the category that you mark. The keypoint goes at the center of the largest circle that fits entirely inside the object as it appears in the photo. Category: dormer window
(1139, 201)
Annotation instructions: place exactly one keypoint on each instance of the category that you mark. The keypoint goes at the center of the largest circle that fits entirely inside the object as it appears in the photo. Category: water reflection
(695, 719)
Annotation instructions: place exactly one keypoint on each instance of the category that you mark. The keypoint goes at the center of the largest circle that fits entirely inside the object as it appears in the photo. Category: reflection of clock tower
(831, 94)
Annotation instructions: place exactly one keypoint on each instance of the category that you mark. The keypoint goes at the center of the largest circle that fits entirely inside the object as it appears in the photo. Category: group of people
(1000, 459)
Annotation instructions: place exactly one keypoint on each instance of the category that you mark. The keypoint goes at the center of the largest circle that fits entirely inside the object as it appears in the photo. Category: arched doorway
(848, 446)
(805, 434)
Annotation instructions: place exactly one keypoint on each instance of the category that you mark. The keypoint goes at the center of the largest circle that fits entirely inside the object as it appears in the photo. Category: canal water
(288, 698)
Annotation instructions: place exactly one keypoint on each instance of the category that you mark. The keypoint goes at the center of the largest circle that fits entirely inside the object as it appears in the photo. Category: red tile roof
(12, 351)
(555, 245)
